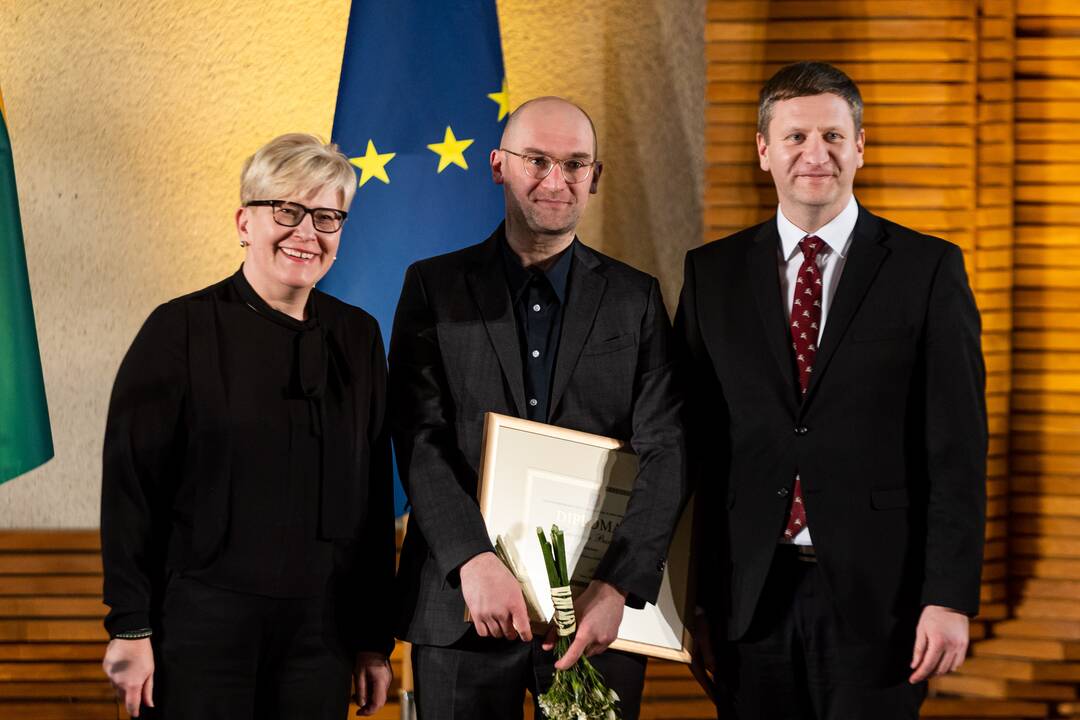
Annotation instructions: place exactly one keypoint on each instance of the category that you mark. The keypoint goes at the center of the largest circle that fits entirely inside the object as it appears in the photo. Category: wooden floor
(51, 644)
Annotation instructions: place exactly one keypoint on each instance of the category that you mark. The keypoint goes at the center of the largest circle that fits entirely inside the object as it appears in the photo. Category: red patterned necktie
(805, 325)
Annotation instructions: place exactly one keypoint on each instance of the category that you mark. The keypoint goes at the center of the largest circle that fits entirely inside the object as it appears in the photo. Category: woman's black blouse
(247, 449)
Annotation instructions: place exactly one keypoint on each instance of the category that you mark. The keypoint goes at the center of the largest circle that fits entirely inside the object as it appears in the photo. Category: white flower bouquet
(578, 693)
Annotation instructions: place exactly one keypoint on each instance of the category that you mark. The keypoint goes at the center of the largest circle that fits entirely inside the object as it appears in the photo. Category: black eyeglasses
(290, 214)
(539, 166)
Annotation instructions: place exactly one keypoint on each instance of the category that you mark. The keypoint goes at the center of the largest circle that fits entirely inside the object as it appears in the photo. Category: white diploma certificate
(536, 475)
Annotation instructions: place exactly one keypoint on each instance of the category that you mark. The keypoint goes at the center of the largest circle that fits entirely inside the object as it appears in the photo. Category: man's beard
(536, 224)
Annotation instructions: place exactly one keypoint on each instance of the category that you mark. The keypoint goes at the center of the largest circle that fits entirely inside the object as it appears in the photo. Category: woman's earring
(243, 243)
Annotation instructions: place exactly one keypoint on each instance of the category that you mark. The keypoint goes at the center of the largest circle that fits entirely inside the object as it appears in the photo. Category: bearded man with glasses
(531, 323)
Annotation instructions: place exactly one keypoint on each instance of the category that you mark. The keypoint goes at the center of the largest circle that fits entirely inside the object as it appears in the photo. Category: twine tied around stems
(578, 692)
(565, 620)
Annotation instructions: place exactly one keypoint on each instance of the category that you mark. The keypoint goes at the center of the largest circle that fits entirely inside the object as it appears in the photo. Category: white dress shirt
(836, 235)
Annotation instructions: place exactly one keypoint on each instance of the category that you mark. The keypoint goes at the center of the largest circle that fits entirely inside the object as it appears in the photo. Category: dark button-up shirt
(538, 298)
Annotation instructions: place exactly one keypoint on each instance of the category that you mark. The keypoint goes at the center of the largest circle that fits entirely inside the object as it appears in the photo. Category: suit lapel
(765, 280)
(487, 282)
(583, 294)
(864, 258)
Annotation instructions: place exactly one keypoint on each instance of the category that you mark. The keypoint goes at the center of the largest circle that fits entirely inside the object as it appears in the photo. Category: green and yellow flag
(25, 436)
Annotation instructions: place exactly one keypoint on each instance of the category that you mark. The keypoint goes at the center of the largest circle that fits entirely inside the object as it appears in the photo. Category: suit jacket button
(783, 492)
(801, 429)
(661, 565)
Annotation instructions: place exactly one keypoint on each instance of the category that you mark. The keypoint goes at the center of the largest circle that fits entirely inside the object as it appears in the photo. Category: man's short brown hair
(801, 80)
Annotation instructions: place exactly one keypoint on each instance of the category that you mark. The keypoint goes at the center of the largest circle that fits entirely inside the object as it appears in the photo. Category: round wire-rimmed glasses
(539, 166)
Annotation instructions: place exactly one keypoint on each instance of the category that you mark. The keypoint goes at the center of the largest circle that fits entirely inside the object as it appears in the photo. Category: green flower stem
(549, 559)
(560, 543)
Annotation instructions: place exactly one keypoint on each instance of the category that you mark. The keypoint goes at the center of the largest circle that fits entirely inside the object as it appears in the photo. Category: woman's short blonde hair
(296, 164)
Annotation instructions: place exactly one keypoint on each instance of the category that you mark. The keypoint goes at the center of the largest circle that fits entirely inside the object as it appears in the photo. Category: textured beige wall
(130, 118)
(638, 67)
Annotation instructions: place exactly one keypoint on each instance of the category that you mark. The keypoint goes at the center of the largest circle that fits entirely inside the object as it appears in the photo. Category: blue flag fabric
(421, 103)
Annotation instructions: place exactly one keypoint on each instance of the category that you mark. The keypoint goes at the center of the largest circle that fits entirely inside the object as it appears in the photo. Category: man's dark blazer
(455, 354)
(890, 440)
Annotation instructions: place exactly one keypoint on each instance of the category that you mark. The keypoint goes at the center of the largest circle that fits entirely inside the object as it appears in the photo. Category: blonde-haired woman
(247, 507)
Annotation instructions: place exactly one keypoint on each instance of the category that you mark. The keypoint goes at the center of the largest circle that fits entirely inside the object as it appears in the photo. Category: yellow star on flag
(450, 150)
(502, 98)
(373, 164)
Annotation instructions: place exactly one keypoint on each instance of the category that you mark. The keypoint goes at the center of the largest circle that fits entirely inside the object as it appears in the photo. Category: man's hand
(129, 664)
(494, 598)
(371, 682)
(941, 641)
(703, 661)
(599, 611)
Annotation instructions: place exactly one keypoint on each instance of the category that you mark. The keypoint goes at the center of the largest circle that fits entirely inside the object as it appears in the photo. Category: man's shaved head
(545, 210)
(551, 103)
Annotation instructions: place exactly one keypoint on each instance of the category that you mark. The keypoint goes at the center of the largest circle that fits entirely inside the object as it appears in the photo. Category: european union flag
(421, 103)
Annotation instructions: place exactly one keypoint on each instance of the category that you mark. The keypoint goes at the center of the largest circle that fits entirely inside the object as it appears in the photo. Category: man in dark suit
(530, 323)
(844, 483)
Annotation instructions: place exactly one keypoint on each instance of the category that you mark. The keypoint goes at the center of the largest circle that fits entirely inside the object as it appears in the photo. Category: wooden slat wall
(990, 270)
(1040, 644)
(51, 639)
(1046, 400)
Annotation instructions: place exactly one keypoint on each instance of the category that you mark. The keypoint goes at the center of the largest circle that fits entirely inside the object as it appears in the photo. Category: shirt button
(782, 492)
(801, 429)
(536, 308)
(536, 353)
(532, 402)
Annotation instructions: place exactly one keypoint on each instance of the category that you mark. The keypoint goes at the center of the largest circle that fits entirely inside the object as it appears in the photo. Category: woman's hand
(371, 682)
(130, 667)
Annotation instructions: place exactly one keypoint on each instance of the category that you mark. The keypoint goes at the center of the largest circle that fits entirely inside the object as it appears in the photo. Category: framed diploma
(536, 475)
